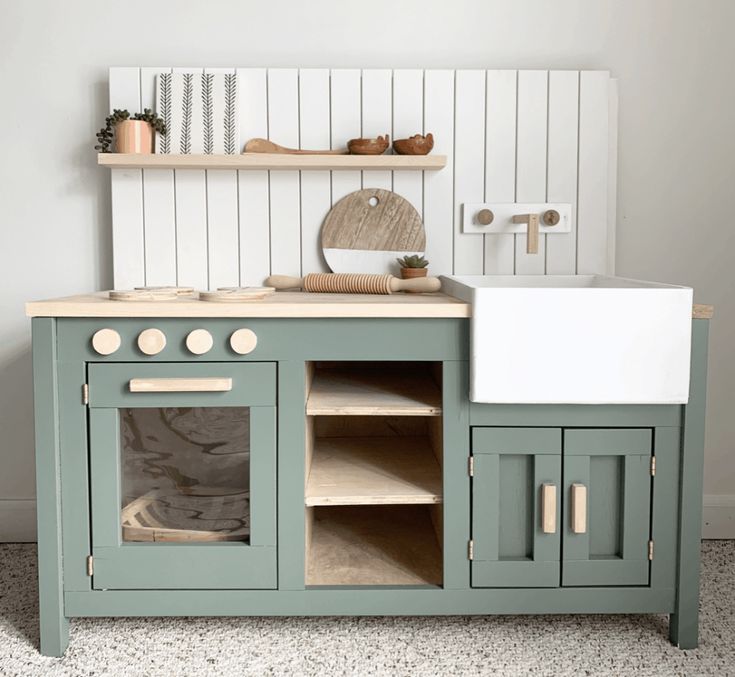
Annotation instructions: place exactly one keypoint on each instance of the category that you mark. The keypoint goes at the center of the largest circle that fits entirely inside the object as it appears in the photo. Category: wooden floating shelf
(373, 545)
(373, 471)
(272, 161)
(373, 392)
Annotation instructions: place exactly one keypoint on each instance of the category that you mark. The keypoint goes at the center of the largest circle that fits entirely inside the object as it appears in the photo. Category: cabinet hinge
(90, 565)
(653, 466)
(650, 550)
(471, 549)
(471, 466)
(85, 393)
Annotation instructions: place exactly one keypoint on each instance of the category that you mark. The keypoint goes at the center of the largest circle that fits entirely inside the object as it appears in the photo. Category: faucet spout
(532, 231)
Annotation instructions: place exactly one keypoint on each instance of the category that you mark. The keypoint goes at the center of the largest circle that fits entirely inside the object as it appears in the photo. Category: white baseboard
(718, 516)
(17, 520)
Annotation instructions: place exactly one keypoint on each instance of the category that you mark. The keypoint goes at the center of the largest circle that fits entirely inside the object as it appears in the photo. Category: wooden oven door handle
(215, 384)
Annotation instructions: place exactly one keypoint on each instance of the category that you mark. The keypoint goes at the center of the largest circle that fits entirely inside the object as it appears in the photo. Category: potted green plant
(130, 134)
(413, 266)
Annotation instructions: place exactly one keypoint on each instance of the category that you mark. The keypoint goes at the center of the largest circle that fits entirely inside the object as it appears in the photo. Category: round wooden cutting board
(367, 230)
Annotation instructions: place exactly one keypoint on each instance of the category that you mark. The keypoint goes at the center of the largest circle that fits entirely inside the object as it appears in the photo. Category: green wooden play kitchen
(308, 455)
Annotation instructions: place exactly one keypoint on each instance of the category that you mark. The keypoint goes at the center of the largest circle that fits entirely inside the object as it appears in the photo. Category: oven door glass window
(185, 474)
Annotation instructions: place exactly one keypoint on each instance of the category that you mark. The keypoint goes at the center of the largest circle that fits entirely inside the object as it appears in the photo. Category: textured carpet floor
(508, 645)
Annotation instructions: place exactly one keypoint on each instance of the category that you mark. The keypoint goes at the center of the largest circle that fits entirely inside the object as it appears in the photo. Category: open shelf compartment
(373, 389)
(372, 545)
(373, 488)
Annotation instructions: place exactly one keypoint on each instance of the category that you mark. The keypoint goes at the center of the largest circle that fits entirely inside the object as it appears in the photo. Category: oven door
(183, 475)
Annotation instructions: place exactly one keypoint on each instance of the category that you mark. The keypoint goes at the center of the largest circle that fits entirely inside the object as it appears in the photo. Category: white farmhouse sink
(576, 339)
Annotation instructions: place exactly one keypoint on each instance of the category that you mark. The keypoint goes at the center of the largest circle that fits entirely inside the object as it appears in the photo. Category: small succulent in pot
(413, 265)
(131, 134)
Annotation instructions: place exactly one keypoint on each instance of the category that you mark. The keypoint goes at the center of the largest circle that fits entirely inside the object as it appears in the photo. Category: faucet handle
(551, 217)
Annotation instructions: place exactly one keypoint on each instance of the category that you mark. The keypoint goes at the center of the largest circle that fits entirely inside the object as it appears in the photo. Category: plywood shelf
(373, 392)
(272, 161)
(373, 545)
(373, 471)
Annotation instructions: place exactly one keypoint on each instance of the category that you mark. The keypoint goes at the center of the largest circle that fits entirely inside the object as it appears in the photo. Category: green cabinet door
(515, 501)
(607, 506)
(183, 475)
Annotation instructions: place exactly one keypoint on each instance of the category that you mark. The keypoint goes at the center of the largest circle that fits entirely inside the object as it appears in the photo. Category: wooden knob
(151, 341)
(199, 341)
(551, 217)
(106, 341)
(243, 341)
(484, 217)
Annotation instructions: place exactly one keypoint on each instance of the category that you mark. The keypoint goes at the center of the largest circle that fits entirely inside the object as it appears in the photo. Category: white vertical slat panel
(408, 119)
(469, 166)
(222, 221)
(376, 119)
(345, 120)
(128, 226)
(283, 125)
(253, 185)
(500, 163)
(531, 160)
(316, 191)
(191, 221)
(562, 166)
(612, 174)
(438, 186)
(592, 212)
(159, 206)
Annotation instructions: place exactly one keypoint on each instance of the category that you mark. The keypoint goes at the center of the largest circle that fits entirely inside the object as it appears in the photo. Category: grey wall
(675, 200)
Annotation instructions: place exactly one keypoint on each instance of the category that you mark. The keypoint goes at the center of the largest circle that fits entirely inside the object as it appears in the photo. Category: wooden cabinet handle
(579, 508)
(548, 508)
(181, 385)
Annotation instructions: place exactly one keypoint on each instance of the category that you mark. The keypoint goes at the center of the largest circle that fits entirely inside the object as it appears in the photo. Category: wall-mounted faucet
(550, 218)
(531, 231)
(505, 218)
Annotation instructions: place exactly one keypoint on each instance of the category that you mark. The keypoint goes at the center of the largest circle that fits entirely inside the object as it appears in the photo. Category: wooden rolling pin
(354, 283)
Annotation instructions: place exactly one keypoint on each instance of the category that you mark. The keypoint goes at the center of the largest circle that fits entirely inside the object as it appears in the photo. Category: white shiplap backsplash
(509, 136)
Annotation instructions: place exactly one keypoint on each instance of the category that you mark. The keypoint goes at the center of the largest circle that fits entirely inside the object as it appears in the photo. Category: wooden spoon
(266, 146)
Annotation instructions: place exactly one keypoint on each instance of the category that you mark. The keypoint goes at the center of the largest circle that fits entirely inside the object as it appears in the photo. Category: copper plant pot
(410, 273)
(134, 136)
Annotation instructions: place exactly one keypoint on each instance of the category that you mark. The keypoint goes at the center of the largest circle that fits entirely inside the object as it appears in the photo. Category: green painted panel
(367, 601)
(254, 383)
(516, 440)
(74, 475)
(605, 515)
(684, 629)
(515, 573)
(607, 442)
(571, 415)
(52, 618)
(614, 548)
(517, 501)
(665, 502)
(294, 339)
(456, 450)
(511, 549)
(291, 474)
(121, 565)
(176, 565)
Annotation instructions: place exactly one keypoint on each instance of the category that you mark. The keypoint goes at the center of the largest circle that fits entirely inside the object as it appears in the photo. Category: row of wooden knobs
(152, 341)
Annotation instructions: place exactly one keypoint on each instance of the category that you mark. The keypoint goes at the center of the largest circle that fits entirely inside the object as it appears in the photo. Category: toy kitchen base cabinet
(334, 465)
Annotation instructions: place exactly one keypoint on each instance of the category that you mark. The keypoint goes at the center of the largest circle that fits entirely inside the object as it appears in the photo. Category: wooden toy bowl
(369, 146)
(415, 145)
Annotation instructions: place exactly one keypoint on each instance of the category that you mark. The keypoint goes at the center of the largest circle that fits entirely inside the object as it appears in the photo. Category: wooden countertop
(279, 304)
